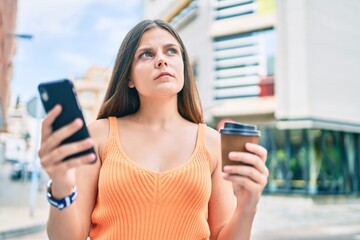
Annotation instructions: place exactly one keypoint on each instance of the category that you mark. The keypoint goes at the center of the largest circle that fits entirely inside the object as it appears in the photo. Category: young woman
(158, 173)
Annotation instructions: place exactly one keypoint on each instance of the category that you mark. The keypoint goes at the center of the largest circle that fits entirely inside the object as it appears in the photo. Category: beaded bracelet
(60, 203)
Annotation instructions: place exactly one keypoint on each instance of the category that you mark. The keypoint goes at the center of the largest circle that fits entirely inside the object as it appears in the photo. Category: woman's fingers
(52, 151)
(241, 182)
(247, 172)
(48, 121)
(54, 140)
(251, 173)
(249, 159)
(60, 153)
(257, 149)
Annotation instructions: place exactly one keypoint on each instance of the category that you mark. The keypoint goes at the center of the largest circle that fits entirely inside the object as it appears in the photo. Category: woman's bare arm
(73, 222)
(236, 192)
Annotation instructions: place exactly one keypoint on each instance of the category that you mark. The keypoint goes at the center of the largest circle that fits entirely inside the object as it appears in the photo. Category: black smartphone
(63, 92)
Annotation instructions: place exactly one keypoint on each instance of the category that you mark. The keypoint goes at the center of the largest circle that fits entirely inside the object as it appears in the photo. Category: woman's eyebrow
(171, 45)
(143, 49)
(148, 48)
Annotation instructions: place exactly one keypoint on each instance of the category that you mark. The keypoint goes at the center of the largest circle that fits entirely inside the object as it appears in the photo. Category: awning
(311, 123)
(244, 107)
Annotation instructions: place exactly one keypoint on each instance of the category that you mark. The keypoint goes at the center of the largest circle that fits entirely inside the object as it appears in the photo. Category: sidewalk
(15, 214)
(301, 217)
(278, 217)
(18, 222)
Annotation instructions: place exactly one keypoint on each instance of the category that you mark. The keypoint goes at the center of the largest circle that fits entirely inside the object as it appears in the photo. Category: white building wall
(198, 42)
(291, 68)
(157, 8)
(318, 60)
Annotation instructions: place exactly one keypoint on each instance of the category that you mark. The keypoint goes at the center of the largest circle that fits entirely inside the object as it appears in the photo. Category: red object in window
(266, 86)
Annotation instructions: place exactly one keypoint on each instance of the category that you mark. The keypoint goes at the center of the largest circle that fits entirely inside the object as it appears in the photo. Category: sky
(68, 37)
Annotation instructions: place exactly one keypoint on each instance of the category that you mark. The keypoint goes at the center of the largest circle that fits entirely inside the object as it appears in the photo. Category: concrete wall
(318, 60)
(157, 8)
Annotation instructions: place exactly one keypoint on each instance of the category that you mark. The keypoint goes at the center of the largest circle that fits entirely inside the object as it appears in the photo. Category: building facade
(289, 67)
(91, 89)
(8, 10)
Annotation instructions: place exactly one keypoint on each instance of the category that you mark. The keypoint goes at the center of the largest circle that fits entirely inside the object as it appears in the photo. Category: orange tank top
(134, 203)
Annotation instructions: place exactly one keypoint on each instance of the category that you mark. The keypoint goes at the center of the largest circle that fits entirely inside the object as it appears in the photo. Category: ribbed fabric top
(135, 203)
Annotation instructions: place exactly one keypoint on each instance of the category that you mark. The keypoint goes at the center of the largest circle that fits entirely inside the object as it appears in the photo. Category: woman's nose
(161, 61)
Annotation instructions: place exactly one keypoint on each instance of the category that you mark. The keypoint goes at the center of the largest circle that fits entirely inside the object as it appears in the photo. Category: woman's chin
(167, 90)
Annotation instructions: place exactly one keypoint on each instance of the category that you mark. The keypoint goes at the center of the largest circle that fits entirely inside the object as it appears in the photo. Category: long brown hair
(120, 100)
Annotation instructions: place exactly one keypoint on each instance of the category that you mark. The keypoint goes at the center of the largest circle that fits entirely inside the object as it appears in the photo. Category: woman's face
(157, 68)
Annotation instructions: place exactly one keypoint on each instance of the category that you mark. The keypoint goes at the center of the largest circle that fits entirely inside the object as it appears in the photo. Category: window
(233, 8)
(241, 62)
(185, 15)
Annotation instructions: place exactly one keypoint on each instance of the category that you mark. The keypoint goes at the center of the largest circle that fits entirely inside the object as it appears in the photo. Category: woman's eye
(145, 55)
(172, 51)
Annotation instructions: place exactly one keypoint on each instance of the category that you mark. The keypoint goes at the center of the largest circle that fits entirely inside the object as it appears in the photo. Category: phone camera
(44, 95)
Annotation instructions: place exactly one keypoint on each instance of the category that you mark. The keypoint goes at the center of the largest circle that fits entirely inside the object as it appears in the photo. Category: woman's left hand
(249, 178)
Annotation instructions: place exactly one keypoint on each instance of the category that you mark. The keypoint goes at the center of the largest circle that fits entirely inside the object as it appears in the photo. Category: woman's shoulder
(99, 129)
(99, 124)
(212, 135)
(213, 145)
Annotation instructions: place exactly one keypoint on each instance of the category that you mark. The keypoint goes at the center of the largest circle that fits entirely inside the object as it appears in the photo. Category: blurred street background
(291, 67)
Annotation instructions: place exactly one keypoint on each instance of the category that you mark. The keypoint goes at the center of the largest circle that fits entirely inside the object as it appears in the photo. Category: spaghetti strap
(201, 142)
(201, 134)
(113, 133)
(113, 127)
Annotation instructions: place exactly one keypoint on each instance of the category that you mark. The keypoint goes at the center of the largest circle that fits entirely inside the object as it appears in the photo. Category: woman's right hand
(51, 153)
